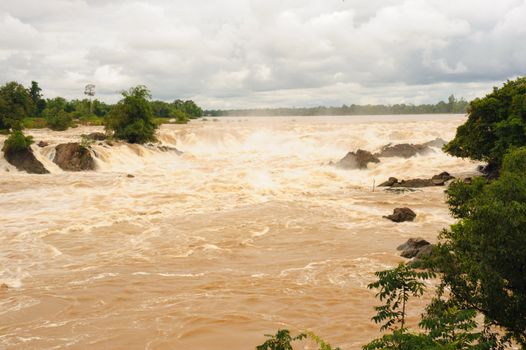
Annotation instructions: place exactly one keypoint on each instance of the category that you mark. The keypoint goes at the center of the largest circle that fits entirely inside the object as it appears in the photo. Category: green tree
(15, 105)
(495, 123)
(483, 257)
(132, 118)
(192, 109)
(39, 104)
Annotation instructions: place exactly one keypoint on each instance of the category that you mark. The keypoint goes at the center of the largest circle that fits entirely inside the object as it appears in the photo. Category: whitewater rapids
(248, 231)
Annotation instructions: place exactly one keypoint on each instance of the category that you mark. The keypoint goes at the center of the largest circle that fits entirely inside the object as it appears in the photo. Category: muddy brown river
(248, 231)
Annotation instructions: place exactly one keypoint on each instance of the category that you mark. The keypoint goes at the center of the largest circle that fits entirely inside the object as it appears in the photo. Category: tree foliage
(39, 103)
(15, 105)
(483, 256)
(132, 118)
(495, 124)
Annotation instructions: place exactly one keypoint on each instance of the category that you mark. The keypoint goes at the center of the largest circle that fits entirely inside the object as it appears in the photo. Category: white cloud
(235, 53)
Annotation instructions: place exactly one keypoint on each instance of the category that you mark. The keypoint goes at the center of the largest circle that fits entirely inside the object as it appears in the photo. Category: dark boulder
(443, 176)
(358, 160)
(130, 176)
(413, 247)
(25, 160)
(391, 182)
(404, 150)
(401, 215)
(73, 157)
(42, 144)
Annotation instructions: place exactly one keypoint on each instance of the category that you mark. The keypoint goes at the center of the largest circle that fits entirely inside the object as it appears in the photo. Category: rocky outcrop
(358, 160)
(413, 247)
(73, 157)
(404, 150)
(438, 143)
(401, 215)
(26, 161)
(437, 180)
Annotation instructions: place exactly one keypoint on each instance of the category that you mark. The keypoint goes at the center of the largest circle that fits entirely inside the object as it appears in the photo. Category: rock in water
(413, 247)
(73, 157)
(96, 136)
(391, 182)
(416, 183)
(423, 252)
(437, 180)
(438, 142)
(42, 144)
(358, 160)
(25, 160)
(404, 150)
(170, 149)
(401, 215)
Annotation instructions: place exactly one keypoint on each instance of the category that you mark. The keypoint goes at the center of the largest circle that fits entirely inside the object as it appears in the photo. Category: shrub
(17, 142)
(60, 121)
(132, 118)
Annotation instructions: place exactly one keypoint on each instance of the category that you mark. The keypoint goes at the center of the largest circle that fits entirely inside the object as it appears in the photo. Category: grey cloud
(237, 53)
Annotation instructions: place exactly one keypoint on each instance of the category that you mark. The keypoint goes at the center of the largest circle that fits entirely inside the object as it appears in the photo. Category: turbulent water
(248, 231)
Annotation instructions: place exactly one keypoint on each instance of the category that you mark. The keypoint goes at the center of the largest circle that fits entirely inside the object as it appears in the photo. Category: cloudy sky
(255, 53)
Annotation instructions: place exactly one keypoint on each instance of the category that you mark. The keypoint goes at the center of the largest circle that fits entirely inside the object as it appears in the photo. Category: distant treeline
(451, 106)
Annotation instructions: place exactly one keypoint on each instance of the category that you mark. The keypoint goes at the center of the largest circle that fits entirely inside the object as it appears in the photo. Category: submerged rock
(73, 157)
(401, 215)
(170, 149)
(358, 160)
(25, 160)
(42, 144)
(413, 247)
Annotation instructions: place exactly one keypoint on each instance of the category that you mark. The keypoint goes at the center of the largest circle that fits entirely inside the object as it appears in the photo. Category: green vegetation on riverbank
(22, 107)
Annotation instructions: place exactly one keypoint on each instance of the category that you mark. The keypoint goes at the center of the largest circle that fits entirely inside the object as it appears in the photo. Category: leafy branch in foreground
(282, 341)
(445, 324)
(395, 287)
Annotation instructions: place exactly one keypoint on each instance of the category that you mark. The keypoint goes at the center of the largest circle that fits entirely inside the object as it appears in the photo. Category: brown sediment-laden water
(248, 231)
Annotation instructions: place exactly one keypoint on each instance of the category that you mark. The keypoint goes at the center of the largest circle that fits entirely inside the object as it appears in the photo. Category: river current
(248, 231)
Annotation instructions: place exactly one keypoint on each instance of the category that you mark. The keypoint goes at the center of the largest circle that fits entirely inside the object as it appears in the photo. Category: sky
(265, 53)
